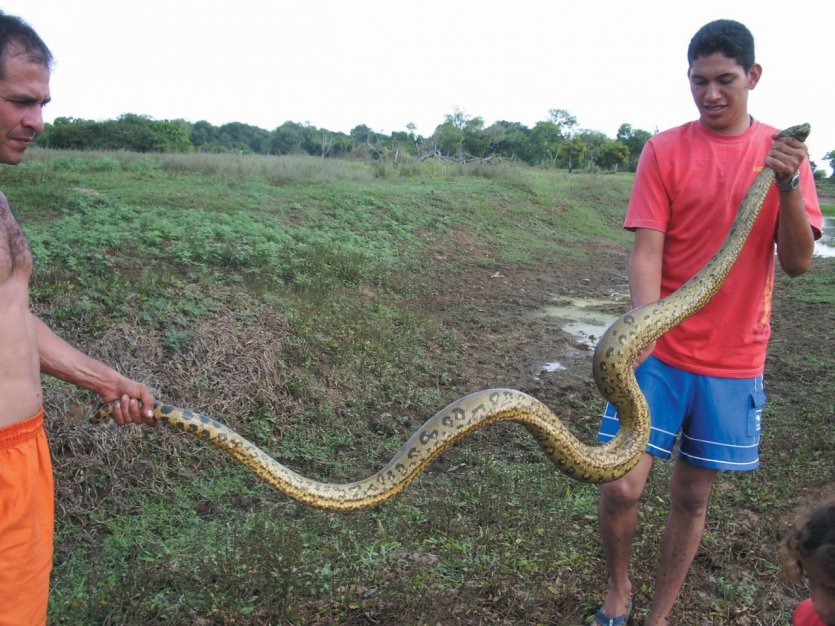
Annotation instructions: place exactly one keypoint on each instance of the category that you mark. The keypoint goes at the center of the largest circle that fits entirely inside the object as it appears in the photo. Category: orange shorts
(27, 520)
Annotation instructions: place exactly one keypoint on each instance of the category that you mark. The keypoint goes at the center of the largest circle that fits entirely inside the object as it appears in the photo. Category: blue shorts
(719, 419)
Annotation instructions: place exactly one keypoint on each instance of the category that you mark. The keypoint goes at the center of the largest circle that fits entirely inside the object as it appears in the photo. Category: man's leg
(689, 494)
(618, 519)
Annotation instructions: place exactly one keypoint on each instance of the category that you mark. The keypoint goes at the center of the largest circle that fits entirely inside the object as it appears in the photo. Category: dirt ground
(499, 314)
(496, 310)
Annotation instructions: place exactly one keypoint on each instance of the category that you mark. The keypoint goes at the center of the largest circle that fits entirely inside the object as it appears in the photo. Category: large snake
(613, 361)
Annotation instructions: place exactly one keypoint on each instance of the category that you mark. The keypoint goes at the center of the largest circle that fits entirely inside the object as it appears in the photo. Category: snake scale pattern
(613, 373)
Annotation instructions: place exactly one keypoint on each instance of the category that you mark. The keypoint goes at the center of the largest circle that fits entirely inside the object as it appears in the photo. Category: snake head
(799, 132)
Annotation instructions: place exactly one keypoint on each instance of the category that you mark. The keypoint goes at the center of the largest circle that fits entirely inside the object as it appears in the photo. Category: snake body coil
(612, 367)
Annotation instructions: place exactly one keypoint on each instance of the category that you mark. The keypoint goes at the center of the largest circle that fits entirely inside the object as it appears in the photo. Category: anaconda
(613, 373)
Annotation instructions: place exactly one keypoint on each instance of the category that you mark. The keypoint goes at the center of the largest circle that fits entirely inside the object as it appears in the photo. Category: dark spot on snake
(426, 437)
(192, 428)
(447, 420)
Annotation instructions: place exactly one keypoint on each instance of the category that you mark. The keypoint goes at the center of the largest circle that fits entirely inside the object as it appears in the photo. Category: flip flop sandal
(601, 619)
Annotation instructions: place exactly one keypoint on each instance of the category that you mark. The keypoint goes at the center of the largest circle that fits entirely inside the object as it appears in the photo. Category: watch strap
(791, 185)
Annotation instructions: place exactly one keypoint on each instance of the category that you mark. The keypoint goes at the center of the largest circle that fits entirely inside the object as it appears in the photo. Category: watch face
(794, 183)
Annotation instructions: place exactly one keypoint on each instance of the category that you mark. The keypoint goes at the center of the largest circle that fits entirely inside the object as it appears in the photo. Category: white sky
(384, 63)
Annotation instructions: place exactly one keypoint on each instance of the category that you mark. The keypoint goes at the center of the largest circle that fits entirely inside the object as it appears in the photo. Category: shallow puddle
(825, 246)
(553, 366)
(585, 319)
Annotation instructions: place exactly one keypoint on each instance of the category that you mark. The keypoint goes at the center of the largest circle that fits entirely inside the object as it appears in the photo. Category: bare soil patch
(498, 313)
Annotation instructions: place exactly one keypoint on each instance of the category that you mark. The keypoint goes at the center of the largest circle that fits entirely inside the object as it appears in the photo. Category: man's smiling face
(720, 89)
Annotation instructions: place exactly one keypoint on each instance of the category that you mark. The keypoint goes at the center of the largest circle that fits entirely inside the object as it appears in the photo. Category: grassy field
(325, 309)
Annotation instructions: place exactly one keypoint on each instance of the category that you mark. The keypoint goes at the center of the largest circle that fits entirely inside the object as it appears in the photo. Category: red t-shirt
(804, 615)
(689, 185)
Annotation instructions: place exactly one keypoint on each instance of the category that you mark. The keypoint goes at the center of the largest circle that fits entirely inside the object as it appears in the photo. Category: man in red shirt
(703, 379)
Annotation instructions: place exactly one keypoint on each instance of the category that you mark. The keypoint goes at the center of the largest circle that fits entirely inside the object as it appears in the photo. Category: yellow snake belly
(613, 373)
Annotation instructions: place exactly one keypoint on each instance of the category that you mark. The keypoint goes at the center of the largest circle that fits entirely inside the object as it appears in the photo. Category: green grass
(297, 301)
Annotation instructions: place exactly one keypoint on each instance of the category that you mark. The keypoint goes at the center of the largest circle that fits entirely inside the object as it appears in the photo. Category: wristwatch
(793, 184)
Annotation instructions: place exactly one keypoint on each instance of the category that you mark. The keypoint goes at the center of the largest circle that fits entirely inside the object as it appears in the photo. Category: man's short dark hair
(15, 32)
(727, 37)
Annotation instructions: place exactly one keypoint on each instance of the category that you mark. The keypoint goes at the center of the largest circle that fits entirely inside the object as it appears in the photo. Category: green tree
(203, 136)
(460, 135)
(367, 142)
(830, 156)
(448, 139)
(140, 133)
(546, 139)
(362, 134)
(341, 144)
(510, 139)
(287, 139)
(68, 133)
(476, 143)
(572, 152)
(246, 138)
(402, 141)
(635, 139)
(562, 118)
(457, 118)
(411, 127)
(818, 174)
(614, 155)
(311, 139)
(596, 144)
(172, 136)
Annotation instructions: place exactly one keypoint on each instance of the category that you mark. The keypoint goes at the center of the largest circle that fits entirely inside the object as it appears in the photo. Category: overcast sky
(385, 63)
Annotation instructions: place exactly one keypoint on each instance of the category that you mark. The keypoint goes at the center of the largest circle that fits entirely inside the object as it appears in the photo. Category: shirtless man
(27, 349)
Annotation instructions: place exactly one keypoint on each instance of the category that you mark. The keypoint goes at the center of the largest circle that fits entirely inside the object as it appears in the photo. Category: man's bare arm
(645, 273)
(63, 361)
(795, 238)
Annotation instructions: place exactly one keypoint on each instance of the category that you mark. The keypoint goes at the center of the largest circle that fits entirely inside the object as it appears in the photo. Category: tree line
(557, 141)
